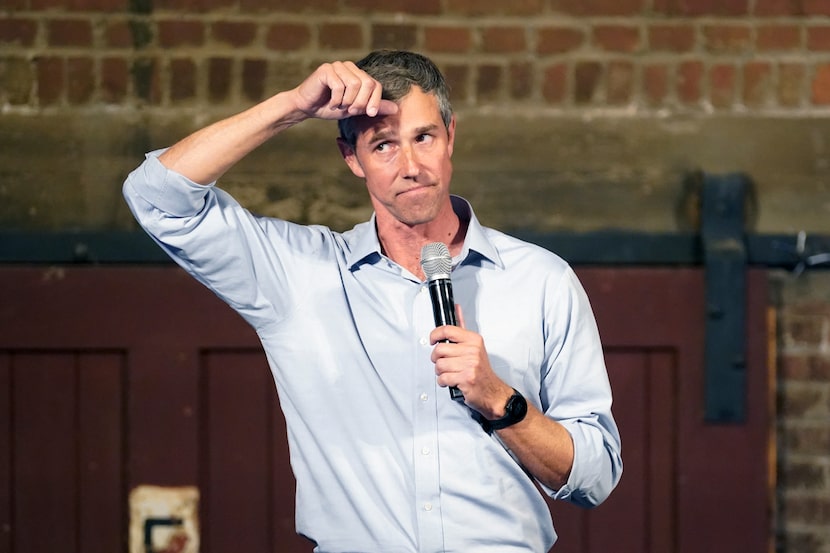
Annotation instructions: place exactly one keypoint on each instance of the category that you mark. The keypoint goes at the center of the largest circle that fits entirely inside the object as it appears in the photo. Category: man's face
(405, 159)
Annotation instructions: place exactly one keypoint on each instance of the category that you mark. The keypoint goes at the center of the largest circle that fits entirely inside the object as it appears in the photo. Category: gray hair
(397, 71)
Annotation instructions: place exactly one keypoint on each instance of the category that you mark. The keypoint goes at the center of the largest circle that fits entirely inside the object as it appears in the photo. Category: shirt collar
(364, 245)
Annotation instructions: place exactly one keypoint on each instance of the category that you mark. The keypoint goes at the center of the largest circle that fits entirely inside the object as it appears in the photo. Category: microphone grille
(436, 260)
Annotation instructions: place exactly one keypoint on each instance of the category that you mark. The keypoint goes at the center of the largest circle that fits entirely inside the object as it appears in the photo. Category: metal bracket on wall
(723, 235)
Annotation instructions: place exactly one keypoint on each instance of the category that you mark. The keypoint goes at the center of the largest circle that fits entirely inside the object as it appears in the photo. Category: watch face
(517, 407)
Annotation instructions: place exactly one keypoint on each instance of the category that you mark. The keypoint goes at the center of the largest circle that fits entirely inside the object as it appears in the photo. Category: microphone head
(436, 260)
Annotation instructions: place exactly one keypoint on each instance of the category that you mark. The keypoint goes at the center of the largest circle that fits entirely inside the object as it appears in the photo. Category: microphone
(437, 264)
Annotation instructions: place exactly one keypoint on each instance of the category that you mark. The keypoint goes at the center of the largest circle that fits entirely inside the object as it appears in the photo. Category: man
(384, 459)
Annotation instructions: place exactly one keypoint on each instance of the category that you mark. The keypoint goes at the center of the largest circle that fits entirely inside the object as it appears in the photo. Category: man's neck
(402, 243)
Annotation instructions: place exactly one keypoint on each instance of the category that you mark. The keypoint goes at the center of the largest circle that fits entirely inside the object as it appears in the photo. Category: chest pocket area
(515, 363)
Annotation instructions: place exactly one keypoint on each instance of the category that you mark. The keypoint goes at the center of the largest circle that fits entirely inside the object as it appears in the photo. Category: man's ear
(451, 135)
(350, 157)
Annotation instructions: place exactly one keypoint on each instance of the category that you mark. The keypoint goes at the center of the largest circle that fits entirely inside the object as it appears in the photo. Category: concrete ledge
(544, 173)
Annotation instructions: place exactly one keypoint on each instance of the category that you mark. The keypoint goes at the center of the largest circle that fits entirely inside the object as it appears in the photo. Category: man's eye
(382, 147)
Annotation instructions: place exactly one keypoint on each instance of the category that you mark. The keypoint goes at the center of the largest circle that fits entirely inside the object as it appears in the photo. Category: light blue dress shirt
(384, 460)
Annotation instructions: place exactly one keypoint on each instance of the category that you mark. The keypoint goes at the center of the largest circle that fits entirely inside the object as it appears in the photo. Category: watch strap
(514, 412)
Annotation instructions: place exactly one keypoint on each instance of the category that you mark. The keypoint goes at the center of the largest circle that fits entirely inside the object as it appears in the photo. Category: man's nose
(409, 161)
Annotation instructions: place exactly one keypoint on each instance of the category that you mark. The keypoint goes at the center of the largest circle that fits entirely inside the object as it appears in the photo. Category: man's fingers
(460, 316)
(353, 91)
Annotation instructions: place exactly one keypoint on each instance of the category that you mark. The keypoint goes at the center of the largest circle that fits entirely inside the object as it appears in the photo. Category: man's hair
(397, 71)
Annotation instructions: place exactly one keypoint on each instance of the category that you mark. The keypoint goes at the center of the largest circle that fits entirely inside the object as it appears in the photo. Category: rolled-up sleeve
(207, 232)
(577, 394)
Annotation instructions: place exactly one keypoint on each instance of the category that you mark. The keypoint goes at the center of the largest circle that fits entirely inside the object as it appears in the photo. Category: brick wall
(652, 55)
(577, 114)
(803, 427)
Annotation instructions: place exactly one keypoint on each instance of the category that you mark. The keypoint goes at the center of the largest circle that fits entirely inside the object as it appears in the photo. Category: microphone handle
(443, 311)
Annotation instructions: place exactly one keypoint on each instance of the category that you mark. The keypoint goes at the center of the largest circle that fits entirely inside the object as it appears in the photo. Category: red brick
(689, 79)
(234, 33)
(421, 7)
(50, 80)
(555, 83)
(115, 77)
(807, 439)
(587, 77)
(701, 7)
(794, 367)
(617, 38)
(14, 30)
(778, 38)
(804, 328)
(254, 73)
(619, 83)
(727, 39)
(655, 84)
(488, 82)
(558, 40)
(172, 33)
(495, 7)
(219, 79)
(287, 36)
(808, 510)
(790, 83)
(190, 6)
(69, 32)
(276, 6)
(448, 39)
(821, 86)
(341, 36)
(504, 39)
(458, 78)
(757, 84)
(45, 4)
(803, 401)
(182, 79)
(818, 38)
(671, 38)
(598, 7)
(101, 6)
(80, 80)
(16, 81)
(816, 7)
(215, 5)
(722, 79)
(521, 80)
(147, 79)
(117, 34)
(775, 8)
(804, 475)
(394, 36)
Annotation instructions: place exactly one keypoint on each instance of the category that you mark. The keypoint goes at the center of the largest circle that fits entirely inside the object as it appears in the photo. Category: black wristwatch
(514, 411)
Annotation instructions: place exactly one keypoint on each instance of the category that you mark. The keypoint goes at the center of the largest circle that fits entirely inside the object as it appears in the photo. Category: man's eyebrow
(386, 134)
(426, 128)
(379, 136)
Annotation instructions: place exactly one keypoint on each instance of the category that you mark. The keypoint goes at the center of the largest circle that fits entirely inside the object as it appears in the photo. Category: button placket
(427, 482)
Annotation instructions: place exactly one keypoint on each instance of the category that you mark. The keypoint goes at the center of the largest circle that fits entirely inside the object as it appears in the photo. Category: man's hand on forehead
(340, 89)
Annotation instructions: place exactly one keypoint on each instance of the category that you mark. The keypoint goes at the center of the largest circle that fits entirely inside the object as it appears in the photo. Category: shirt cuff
(167, 190)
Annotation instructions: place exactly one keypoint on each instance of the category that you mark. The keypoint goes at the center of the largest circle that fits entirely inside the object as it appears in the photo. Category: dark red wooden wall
(114, 377)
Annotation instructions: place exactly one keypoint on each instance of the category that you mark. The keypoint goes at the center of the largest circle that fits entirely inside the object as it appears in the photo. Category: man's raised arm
(333, 91)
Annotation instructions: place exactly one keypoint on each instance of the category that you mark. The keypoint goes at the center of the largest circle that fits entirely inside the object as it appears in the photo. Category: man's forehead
(417, 111)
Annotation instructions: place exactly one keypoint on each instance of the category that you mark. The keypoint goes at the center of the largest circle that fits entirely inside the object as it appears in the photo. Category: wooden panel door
(113, 377)
(687, 486)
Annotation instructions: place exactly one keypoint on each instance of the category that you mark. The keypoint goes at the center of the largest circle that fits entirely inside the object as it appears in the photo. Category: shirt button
(424, 397)
(425, 451)
(427, 506)
(424, 341)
